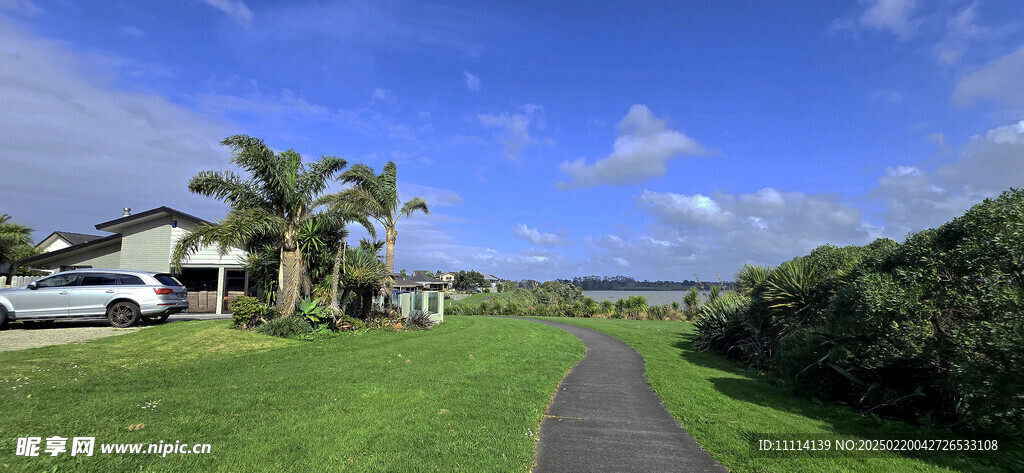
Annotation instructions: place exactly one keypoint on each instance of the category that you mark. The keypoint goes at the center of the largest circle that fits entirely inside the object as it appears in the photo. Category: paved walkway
(606, 417)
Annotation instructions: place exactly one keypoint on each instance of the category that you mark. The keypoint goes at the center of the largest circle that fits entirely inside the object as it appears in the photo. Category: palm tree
(15, 242)
(363, 274)
(273, 203)
(376, 195)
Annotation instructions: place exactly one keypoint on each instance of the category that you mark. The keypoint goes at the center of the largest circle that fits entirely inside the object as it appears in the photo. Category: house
(144, 241)
(493, 280)
(419, 281)
(448, 278)
(60, 240)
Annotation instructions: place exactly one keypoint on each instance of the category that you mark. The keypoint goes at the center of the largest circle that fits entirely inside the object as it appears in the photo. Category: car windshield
(58, 281)
(167, 280)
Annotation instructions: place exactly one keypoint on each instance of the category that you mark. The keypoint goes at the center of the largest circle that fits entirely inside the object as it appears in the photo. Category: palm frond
(237, 229)
(314, 181)
(225, 186)
(416, 204)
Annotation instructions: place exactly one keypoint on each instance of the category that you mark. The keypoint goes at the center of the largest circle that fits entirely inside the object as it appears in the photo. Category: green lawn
(724, 406)
(465, 396)
(472, 299)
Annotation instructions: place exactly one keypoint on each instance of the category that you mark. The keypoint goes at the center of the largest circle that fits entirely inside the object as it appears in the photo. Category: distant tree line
(621, 283)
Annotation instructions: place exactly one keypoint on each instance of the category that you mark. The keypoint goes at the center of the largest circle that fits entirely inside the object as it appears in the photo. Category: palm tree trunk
(389, 263)
(342, 302)
(367, 303)
(292, 277)
(335, 274)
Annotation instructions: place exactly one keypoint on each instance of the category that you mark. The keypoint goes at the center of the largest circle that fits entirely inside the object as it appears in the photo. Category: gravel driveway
(20, 336)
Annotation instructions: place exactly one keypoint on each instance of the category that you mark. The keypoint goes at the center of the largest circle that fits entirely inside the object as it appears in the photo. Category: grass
(724, 406)
(465, 396)
(472, 299)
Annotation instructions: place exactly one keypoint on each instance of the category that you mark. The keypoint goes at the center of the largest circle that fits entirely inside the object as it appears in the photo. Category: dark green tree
(376, 195)
(272, 203)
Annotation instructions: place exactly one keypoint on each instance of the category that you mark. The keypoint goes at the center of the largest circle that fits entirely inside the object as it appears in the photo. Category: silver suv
(123, 296)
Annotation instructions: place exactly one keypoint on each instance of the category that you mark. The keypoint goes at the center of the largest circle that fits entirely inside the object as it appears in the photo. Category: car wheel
(3, 317)
(123, 314)
(159, 319)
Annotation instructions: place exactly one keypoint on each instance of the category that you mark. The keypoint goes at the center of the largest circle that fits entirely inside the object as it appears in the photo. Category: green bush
(290, 327)
(249, 312)
(314, 313)
(420, 320)
(928, 329)
(349, 323)
(384, 318)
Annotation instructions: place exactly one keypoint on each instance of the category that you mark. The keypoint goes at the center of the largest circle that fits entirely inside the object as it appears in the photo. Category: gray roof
(148, 213)
(78, 238)
(70, 249)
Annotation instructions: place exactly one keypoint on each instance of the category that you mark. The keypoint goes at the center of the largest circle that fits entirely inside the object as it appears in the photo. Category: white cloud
(383, 95)
(472, 81)
(642, 151)
(284, 110)
(515, 128)
(24, 7)
(915, 199)
(256, 102)
(939, 140)
(694, 209)
(133, 31)
(894, 16)
(535, 237)
(888, 96)
(235, 9)
(961, 29)
(1001, 80)
(433, 195)
(76, 149)
(766, 226)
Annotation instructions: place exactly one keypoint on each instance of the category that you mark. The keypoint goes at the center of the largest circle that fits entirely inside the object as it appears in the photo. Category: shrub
(314, 313)
(349, 323)
(384, 318)
(691, 304)
(931, 328)
(720, 325)
(420, 320)
(249, 312)
(290, 327)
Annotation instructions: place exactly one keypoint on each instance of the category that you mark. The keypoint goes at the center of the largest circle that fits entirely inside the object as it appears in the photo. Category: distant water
(653, 297)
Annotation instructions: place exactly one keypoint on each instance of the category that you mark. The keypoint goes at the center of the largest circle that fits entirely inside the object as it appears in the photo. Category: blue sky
(652, 139)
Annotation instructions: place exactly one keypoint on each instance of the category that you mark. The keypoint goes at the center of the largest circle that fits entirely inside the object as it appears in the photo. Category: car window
(128, 279)
(167, 280)
(98, 279)
(60, 280)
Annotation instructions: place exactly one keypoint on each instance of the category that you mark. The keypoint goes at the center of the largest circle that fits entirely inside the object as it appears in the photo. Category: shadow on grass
(756, 387)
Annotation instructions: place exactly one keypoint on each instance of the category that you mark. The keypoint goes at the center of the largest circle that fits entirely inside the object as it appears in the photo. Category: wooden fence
(17, 281)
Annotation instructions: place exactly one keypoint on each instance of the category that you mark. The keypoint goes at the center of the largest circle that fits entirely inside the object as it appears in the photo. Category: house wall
(207, 256)
(107, 256)
(146, 245)
(57, 244)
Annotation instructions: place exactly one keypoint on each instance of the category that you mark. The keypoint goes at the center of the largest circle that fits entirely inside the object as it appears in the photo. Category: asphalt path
(606, 417)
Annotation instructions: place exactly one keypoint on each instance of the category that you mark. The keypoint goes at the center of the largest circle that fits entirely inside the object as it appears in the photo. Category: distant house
(420, 281)
(144, 241)
(493, 280)
(449, 279)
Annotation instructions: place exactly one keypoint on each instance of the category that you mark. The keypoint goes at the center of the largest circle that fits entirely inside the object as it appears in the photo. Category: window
(60, 280)
(98, 279)
(167, 280)
(128, 279)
